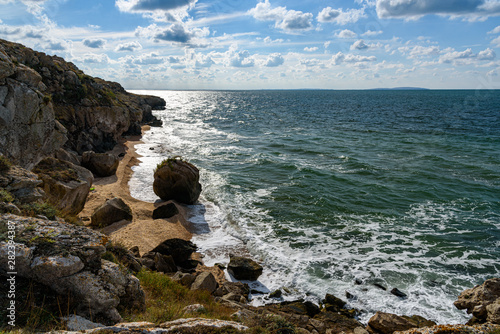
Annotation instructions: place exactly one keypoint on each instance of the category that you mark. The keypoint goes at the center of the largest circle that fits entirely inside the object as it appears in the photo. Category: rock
(205, 281)
(184, 278)
(165, 263)
(179, 249)
(236, 288)
(110, 212)
(177, 180)
(398, 293)
(482, 301)
(276, 294)
(455, 329)
(387, 323)
(101, 164)
(194, 309)
(243, 268)
(199, 325)
(28, 76)
(337, 323)
(67, 259)
(333, 304)
(77, 323)
(66, 155)
(165, 211)
(9, 208)
(66, 185)
(22, 184)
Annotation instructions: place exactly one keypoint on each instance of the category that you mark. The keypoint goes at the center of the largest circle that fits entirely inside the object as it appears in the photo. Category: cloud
(340, 58)
(487, 54)
(311, 49)
(240, 59)
(495, 31)
(418, 8)
(92, 58)
(346, 33)
(177, 33)
(372, 33)
(274, 60)
(466, 56)
(339, 16)
(270, 40)
(496, 42)
(359, 45)
(284, 19)
(203, 61)
(130, 47)
(152, 5)
(419, 51)
(94, 43)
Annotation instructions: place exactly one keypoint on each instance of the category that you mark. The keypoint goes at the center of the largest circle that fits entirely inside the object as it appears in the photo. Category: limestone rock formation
(482, 301)
(110, 212)
(67, 258)
(66, 185)
(243, 268)
(22, 184)
(101, 164)
(177, 180)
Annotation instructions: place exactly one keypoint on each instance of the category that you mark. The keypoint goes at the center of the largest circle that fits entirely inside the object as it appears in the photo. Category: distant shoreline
(311, 89)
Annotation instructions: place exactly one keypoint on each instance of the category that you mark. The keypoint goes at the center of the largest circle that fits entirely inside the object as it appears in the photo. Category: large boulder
(178, 180)
(101, 164)
(179, 249)
(243, 268)
(165, 211)
(67, 259)
(205, 281)
(66, 185)
(482, 301)
(110, 212)
(387, 323)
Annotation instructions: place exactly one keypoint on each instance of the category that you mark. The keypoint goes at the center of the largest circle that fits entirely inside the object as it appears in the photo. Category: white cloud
(270, 40)
(177, 33)
(130, 46)
(466, 56)
(487, 54)
(418, 51)
(152, 5)
(346, 33)
(240, 58)
(496, 42)
(359, 45)
(341, 17)
(340, 58)
(151, 58)
(92, 58)
(311, 49)
(287, 20)
(94, 43)
(203, 61)
(372, 33)
(274, 60)
(413, 9)
(495, 31)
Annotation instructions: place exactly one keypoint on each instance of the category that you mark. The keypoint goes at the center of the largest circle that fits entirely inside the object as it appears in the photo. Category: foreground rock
(165, 211)
(22, 184)
(66, 185)
(244, 269)
(455, 329)
(67, 259)
(482, 301)
(111, 212)
(101, 164)
(387, 323)
(177, 180)
(179, 249)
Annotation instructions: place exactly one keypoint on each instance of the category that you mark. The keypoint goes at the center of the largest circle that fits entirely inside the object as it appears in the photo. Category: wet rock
(177, 180)
(110, 212)
(166, 211)
(398, 293)
(276, 294)
(482, 301)
(333, 304)
(205, 281)
(179, 249)
(243, 268)
(101, 164)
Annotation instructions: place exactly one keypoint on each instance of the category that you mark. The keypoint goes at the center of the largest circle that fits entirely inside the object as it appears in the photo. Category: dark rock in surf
(243, 268)
(398, 293)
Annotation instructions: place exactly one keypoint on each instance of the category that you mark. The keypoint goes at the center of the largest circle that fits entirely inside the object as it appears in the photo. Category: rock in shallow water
(244, 269)
(177, 180)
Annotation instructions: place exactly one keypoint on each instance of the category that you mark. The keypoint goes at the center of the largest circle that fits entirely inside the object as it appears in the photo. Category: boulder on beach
(179, 249)
(101, 164)
(111, 212)
(482, 301)
(165, 211)
(178, 180)
(243, 268)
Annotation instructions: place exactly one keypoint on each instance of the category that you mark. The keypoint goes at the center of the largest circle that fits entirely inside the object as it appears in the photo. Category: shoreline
(143, 231)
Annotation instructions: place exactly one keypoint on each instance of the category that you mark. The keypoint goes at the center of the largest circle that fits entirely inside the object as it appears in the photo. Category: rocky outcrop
(482, 301)
(101, 164)
(67, 259)
(110, 212)
(178, 180)
(47, 103)
(387, 323)
(455, 329)
(179, 249)
(243, 268)
(66, 185)
(22, 184)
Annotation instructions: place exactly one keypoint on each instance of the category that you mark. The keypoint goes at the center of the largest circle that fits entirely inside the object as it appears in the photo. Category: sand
(143, 231)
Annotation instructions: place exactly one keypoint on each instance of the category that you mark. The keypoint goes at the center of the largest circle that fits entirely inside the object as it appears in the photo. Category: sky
(267, 44)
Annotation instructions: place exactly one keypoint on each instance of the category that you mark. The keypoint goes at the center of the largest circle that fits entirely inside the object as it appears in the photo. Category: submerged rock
(177, 180)
(244, 269)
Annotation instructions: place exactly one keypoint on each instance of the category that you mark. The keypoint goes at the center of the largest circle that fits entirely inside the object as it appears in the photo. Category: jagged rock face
(44, 101)
(101, 164)
(67, 258)
(22, 184)
(69, 191)
(177, 180)
(27, 119)
(482, 301)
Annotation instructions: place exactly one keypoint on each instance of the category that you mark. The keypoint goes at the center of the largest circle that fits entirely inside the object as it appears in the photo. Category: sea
(352, 193)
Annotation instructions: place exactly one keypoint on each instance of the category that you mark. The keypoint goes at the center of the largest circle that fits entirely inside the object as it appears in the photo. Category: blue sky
(267, 44)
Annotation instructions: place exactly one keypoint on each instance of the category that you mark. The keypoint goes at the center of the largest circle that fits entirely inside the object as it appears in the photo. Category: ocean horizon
(337, 191)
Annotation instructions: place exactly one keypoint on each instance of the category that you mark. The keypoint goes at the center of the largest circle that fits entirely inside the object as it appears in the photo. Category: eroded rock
(177, 180)
(482, 301)
(101, 164)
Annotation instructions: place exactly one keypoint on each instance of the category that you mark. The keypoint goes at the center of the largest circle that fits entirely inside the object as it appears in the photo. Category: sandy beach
(143, 231)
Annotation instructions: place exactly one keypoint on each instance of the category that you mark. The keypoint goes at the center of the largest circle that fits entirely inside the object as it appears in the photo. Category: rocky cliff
(47, 103)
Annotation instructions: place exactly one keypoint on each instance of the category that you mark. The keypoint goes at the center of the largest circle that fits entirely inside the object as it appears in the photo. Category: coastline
(143, 231)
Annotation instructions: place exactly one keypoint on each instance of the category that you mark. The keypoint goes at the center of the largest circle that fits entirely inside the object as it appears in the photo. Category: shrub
(5, 196)
(168, 162)
(44, 209)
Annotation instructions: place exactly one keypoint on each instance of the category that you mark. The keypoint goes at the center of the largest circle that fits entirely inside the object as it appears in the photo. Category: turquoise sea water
(335, 191)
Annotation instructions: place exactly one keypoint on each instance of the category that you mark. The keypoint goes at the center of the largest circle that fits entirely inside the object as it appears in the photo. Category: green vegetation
(43, 209)
(56, 169)
(5, 164)
(6, 196)
(168, 162)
